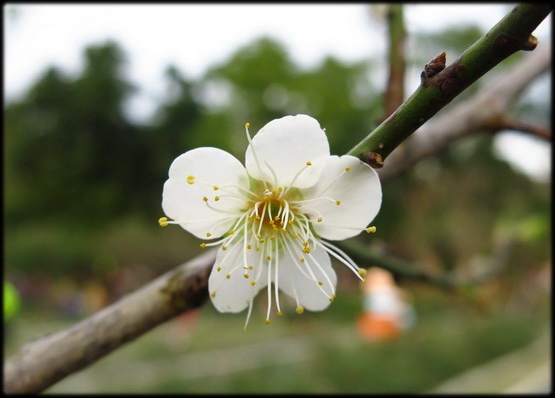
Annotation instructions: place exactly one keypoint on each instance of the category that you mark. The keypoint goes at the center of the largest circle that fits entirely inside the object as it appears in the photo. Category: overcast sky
(194, 36)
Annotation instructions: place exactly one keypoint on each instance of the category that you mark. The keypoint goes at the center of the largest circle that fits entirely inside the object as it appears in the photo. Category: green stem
(439, 86)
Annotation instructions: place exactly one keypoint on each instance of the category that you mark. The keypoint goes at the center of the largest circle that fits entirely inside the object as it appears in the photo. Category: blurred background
(99, 100)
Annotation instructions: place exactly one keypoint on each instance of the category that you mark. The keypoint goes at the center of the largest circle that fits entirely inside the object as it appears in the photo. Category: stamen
(328, 280)
(269, 287)
(247, 125)
(341, 256)
(163, 221)
(300, 202)
(191, 180)
(273, 175)
(276, 290)
(292, 183)
(248, 313)
(334, 180)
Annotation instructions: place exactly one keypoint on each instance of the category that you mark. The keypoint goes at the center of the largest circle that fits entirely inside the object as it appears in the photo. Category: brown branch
(43, 362)
(506, 122)
(395, 90)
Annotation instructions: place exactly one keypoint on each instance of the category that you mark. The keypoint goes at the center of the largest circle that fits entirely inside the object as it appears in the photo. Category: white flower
(270, 217)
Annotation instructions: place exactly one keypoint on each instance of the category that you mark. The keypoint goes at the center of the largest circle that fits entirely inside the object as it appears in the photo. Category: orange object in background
(377, 327)
(386, 313)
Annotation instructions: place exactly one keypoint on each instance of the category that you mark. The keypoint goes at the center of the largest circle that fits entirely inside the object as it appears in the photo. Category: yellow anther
(208, 234)
(305, 243)
(249, 247)
(190, 179)
(246, 275)
(280, 189)
(253, 283)
(347, 168)
(219, 269)
(302, 260)
(213, 294)
(216, 187)
(331, 299)
(299, 310)
(280, 313)
(203, 245)
(295, 236)
(362, 272)
(224, 247)
(251, 267)
(319, 219)
(337, 202)
(205, 199)
(216, 198)
(258, 249)
(276, 218)
(271, 222)
(268, 257)
(320, 283)
(309, 163)
(163, 221)
(371, 229)
(267, 321)
(231, 232)
(228, 276)
(247, 125)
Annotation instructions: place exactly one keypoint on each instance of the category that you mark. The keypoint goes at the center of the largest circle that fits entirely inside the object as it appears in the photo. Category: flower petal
(192, 177)
(286, 145)
(234, 294)
(358, 191)
(300, 279)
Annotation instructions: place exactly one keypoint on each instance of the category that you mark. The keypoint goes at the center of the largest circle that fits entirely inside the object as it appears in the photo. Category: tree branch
(439, 87)
(473, 115)
(395, 90)
(506, 122)
(43, 362)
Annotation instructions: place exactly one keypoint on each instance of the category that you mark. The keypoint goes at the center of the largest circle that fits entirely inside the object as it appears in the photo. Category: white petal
(300, 279)
(286, 145)
(358, 190)
(184, 202)
(235, 293)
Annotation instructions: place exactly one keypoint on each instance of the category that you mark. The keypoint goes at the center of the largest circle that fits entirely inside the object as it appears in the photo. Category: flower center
(271, 212)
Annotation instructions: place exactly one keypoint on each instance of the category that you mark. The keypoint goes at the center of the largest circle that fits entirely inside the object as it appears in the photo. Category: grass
(208, 352)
